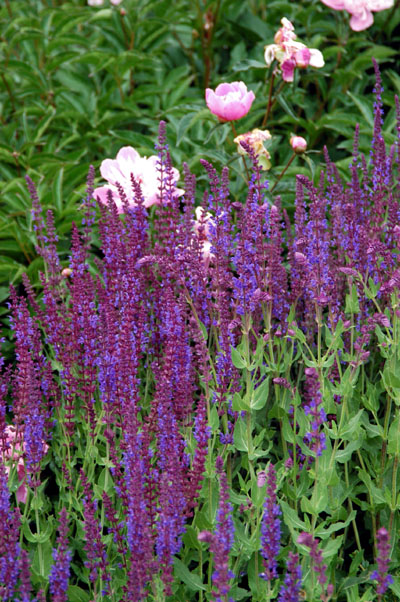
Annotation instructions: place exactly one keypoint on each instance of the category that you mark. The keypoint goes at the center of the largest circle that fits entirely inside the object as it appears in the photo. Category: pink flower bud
(261, 478)
(298, 144)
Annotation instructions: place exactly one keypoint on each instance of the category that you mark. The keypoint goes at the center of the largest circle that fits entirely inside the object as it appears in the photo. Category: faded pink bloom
(291, 54)
(201, 226)
(229, 101)
(66, 272)
(298, 144)
(129, 163)
(255, 139)
(360, 10)
(14, 452)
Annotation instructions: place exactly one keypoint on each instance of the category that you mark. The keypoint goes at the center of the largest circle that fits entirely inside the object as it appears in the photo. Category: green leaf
(260, 395)
(190, 579)
(291, 517)
(394, 437)
(352, 306)
(237, 359)
(239, 403)
(76, 594)
(42, 559)
(240, 435)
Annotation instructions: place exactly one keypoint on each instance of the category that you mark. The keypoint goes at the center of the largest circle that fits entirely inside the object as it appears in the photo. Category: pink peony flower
(128, 162)
(298, 144)
(291, 54)
(360, 10)
(229, 101)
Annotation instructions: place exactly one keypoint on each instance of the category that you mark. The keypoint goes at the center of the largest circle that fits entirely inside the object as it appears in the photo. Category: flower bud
(298, 144)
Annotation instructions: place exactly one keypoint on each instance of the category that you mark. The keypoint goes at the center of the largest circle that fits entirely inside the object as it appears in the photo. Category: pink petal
(316, 58)
(335, 4)
(111, 172)
(223, 89)
(377, 5)
(361, 21)
(102, 194)
(234, 110)
(288, 69)
(22, 494)
(302, 57)
(127, 158)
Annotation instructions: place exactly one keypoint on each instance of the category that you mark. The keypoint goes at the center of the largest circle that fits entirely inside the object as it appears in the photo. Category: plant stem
(235, 134)
(269, 105)
(283, 172)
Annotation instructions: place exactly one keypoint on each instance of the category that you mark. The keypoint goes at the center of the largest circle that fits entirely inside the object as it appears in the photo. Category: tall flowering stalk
(381, 575)
(270, 528)
(290, 590)
(222, 540)
(318, 564)
(9, 545)
(59, 572)
(96, 558)
(314, 438)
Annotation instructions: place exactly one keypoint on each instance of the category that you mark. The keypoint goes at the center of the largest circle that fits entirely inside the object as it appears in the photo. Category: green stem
(269, 104)
(235, 134)
(283, 171)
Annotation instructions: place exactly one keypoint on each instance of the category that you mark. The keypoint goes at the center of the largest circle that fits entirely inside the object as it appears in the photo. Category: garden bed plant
(200, 386)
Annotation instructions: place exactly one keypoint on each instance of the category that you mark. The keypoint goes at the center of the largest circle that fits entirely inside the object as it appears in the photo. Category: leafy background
(78, 82)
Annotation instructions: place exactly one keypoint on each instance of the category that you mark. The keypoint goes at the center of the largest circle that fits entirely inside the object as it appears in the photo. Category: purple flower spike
(381, 575)
(315, 439)
(222, 540)
(270, 528)
(59, 573)
(318, 565)
(290, 591)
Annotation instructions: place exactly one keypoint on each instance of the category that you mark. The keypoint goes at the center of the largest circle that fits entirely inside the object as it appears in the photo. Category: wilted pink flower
(229, 101)
(291, 54)
(360, 10)
(255, 139)
(128, 162)
(298, 144)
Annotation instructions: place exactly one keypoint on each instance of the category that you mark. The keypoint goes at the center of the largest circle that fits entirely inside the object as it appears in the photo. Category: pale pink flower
(13, 453)
(101, 2)
(298, 144)
(229, 101)
(144, 170)
(291, 54)
(360, 10)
